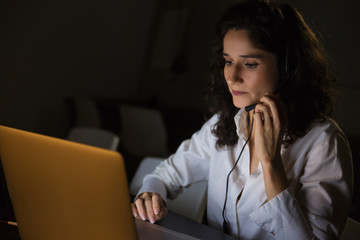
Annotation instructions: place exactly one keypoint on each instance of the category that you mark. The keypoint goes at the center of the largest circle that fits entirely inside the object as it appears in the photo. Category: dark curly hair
(307, 87)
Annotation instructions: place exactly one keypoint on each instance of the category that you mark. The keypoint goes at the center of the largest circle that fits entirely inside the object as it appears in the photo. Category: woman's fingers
(134, 211)
(264, 112)
(149, 206)
(149, 209)
(275, 107)
(159, 206)
(140, 205)
(156, 203)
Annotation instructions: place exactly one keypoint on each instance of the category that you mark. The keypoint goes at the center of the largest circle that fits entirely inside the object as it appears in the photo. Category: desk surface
(184, 225)
(189, 227)
(173, 222)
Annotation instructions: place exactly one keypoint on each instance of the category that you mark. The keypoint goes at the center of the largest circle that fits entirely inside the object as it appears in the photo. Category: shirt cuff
(283, 217)
(152, 184)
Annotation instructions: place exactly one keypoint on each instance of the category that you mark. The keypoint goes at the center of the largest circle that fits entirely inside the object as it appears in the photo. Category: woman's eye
(251, 65)
(228, 63)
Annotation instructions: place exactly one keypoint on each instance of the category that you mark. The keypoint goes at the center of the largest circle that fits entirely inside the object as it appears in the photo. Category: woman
(279, 170)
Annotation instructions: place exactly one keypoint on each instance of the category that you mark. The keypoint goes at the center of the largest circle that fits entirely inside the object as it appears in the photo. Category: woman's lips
(238, 93)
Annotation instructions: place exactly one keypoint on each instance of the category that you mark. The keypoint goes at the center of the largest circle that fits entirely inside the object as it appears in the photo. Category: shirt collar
(241, 124)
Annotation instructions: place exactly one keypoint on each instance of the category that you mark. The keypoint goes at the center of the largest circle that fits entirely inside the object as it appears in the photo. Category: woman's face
(249, 71)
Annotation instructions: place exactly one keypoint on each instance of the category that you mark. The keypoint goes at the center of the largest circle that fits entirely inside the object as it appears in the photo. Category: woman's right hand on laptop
(149, 206)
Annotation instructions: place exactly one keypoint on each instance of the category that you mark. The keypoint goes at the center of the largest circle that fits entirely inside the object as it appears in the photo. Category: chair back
(143, 132)
(351, 230)
(95, 137)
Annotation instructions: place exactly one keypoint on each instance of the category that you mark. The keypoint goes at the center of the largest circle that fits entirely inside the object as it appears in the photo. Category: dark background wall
(54, 50)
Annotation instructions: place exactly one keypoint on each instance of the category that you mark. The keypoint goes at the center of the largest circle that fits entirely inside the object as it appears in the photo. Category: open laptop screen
(65, 190)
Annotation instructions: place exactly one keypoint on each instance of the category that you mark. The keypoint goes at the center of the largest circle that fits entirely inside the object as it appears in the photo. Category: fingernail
(156, 211)
(143, 218)
(152, 220)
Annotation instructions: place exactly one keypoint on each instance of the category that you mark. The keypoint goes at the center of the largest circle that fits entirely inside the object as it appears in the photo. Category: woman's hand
(269, 122)
(149, 206)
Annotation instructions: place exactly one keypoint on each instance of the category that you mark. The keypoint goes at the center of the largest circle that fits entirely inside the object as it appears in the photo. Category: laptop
(65, 190)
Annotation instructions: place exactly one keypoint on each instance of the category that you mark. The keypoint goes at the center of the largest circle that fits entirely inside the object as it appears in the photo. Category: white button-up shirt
(315, 205)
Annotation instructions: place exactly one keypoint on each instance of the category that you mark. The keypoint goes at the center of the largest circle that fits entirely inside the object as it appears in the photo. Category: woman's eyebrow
(259, 56)
(252, 56)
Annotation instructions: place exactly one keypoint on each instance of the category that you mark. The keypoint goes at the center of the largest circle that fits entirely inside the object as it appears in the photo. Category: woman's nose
(234, 74)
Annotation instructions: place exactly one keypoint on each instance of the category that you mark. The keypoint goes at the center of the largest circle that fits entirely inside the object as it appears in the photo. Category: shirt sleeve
(190, 164)
(320, 207)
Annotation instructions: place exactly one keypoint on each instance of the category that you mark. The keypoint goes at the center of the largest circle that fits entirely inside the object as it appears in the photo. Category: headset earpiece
(285, 68)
